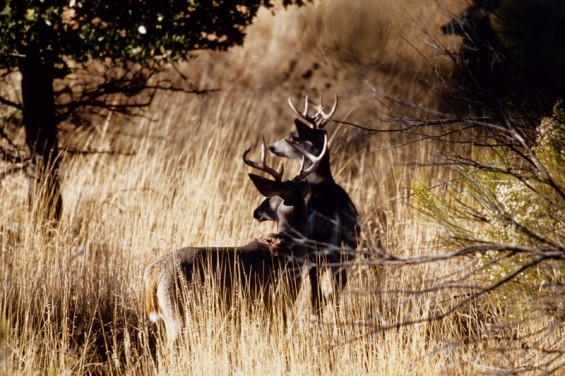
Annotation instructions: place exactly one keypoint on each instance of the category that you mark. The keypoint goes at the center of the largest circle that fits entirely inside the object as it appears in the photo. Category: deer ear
(266, 187)
(304, 131)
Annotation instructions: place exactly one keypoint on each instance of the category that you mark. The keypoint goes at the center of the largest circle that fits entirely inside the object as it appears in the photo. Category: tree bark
(41, 135)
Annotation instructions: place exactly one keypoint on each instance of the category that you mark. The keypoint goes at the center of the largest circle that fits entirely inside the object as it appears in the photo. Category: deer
(260, 267)
(333, 219)
(482, 52)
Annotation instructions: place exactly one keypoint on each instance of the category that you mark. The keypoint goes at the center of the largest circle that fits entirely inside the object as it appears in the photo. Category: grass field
(71, 298)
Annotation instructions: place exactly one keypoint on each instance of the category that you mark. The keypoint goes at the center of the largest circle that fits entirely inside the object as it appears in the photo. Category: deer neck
(292, 227)
(322, 173)
(293, 221)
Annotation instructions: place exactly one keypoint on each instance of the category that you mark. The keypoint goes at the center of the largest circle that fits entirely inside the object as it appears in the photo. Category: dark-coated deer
(259, 267)
(333, 220)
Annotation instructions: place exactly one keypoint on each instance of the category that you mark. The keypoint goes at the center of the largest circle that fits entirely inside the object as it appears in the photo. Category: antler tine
(313, 158)
(321, 117)
(262, 166)
(304, 114)
(334, 107)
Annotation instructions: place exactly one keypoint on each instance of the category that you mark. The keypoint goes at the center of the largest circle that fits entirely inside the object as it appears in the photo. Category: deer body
(262, 268)
(259, 267)
(330, 209)
(333, 219)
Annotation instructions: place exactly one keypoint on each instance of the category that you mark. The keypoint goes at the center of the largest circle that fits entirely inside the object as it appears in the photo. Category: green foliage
(507, 196)
(142, 31)
(550, 147)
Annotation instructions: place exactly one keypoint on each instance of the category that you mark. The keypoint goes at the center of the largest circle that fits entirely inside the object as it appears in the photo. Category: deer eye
(293, 137)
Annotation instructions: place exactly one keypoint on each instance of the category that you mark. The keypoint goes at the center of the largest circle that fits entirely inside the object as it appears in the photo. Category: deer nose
(258, 215)
(274, 151)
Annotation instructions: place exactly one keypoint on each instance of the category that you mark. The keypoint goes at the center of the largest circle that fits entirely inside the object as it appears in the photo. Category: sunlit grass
(71, 298)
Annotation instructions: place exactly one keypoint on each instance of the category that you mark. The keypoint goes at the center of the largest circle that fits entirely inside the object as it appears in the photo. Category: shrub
(507, 208)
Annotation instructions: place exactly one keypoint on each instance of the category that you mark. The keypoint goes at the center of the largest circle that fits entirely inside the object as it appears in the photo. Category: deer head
(282, 195)
(310, 131)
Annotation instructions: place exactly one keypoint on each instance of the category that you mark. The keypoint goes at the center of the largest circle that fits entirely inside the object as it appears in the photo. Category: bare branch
(7, 102)
(473, 297)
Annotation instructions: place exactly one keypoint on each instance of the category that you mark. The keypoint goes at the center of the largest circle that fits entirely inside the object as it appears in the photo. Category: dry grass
(71, 300)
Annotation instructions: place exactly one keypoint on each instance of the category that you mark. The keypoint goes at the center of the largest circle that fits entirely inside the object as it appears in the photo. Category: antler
(315, 160)
(320, 118)
(262, 166)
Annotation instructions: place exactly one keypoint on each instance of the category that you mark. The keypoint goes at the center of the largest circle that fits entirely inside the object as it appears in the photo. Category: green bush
(512, 198)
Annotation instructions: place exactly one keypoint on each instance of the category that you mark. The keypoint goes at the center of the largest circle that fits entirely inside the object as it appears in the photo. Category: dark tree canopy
(50, 40)
(144, 31)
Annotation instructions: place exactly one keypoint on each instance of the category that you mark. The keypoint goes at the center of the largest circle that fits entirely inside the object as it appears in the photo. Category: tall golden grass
(71, 299)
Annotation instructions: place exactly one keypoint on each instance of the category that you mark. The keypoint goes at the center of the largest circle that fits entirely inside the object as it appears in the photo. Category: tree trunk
(41, 136)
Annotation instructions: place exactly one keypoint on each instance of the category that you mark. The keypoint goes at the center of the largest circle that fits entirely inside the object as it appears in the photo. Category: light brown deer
(333, 220)
(261, 268)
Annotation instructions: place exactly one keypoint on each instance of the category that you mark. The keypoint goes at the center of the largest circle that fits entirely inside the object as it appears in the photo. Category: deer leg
(317, 296)
(339, 272)
(170, 313)
(339, 275)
